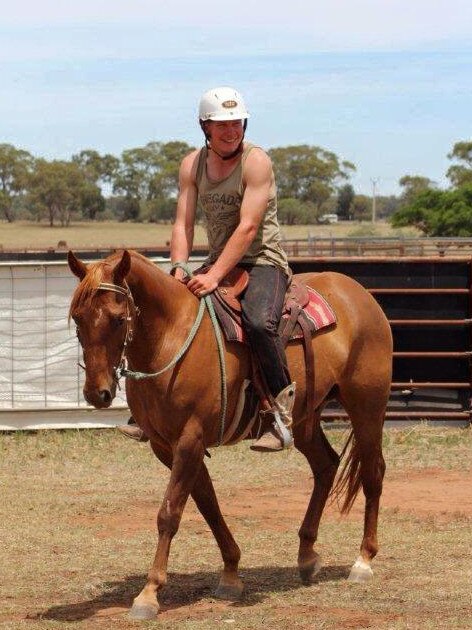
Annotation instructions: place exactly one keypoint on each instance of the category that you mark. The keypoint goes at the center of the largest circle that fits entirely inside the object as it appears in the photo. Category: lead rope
(205, 302)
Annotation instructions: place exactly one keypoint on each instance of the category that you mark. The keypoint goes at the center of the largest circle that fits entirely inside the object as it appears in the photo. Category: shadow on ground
(186, 589)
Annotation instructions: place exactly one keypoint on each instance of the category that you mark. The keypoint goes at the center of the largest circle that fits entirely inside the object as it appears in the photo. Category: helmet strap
(237, 151)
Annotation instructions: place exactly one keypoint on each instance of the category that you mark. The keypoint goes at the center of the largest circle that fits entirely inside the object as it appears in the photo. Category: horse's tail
(348, 482)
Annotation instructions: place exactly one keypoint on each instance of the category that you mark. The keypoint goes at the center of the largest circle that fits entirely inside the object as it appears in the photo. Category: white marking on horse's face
(98, 317)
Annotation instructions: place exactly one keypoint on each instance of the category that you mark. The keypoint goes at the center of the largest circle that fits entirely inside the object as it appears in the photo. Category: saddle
(296, 323)
(235, 282)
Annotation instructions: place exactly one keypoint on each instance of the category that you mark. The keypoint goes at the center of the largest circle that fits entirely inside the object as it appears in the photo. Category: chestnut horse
(126, 305)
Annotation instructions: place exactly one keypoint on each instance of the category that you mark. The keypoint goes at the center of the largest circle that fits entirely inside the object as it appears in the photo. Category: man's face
(225, 135)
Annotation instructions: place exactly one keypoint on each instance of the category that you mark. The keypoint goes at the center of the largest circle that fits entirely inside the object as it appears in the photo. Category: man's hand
(180, 275)
(202, 284)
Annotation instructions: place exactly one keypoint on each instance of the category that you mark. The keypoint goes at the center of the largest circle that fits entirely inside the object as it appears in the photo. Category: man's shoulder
(191, 157)
(256, 159)
(252, 147)
(189, 164)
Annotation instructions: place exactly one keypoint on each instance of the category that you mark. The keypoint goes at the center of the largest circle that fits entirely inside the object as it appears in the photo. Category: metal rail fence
(428, 301)
(379, 247)
(370, 247)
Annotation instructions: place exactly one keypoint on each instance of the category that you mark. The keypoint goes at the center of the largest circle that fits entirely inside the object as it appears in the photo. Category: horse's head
(101, 308)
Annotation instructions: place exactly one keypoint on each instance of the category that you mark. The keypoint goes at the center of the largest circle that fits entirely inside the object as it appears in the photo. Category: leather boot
(279, 435)
(133, 432)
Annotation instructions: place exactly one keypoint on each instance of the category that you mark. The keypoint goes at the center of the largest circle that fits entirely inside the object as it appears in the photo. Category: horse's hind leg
(230, 586)
(367, 466)
(324, 463)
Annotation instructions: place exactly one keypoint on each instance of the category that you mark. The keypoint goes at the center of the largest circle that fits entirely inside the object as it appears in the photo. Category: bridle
(130, 306)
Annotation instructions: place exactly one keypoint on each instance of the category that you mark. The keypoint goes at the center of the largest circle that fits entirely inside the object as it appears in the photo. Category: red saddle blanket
(317, 314)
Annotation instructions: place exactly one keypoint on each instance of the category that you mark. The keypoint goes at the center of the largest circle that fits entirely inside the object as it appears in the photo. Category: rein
(205, 302)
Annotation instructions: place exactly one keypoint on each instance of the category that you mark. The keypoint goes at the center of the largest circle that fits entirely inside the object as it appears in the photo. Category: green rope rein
(205, 302)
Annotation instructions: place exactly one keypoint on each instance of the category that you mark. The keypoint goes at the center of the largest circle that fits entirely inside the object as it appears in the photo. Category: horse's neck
(155, 291)
(165, 305)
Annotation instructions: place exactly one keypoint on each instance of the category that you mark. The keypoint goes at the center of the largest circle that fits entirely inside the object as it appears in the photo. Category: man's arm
(183, 229)
(257, 175)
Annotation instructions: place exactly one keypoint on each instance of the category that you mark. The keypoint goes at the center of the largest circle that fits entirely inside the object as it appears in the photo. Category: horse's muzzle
(100, 399)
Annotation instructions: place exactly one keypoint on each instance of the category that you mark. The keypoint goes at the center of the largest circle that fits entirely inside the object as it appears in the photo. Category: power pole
(374, 199)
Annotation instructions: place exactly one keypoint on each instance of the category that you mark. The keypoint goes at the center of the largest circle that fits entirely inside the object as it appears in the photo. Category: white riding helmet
(222, 103)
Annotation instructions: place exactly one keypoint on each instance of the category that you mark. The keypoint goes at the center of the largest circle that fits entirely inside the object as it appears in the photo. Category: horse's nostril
(105, 396)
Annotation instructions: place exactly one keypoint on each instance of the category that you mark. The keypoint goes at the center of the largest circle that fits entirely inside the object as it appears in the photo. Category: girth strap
(310, 380)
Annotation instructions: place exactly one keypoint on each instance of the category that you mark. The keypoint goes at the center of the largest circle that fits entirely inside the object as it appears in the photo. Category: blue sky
(384, 85)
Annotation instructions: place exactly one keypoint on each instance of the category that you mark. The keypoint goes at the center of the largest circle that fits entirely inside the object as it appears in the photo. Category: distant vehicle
(328, 218)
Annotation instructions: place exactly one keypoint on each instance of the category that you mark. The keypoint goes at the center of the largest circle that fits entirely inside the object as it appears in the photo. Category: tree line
(142, 185)
(438, 212)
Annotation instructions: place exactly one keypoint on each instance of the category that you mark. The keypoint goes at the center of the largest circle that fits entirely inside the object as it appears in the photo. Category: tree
(460, 174)
(308, 173)
(439, 212)
(98, 171)
(293, 211)
(345, 200)
(59, 188)
(123, 208)
(361, 207)
(15, 166)
(92, 201)
(412, 185)
(386, 206)
(151, 173)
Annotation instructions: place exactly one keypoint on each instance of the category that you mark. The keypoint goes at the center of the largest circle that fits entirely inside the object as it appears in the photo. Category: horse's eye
(116, 322)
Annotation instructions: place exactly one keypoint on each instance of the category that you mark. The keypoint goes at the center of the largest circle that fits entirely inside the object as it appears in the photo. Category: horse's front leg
(230, 586)
(187, 460)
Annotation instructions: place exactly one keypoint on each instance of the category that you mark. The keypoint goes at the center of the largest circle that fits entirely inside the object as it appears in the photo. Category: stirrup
(279, 435)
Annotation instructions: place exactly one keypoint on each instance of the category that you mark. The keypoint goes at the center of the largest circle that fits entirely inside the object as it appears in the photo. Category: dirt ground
(84, 556)
(422, 494)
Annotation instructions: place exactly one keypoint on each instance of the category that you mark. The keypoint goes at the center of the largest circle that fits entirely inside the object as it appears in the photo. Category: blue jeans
(261, 306)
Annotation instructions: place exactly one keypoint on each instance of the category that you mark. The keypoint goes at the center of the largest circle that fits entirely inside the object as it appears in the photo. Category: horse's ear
(123, 267)
(77, 267)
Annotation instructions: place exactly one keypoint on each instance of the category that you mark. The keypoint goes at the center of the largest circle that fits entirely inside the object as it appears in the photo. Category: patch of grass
(78, 534)
(366, 230)
(112, 234)
(426, 446)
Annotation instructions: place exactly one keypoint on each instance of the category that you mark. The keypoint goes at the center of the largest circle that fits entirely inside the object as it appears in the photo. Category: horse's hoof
(229, 592)
(308, 570)
(143, 612)
(360, 572)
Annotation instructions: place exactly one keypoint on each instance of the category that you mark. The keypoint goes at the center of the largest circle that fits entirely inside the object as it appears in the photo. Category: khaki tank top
(221, 203)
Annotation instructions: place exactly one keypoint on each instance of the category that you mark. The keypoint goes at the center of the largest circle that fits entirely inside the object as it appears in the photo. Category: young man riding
(232, 181)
